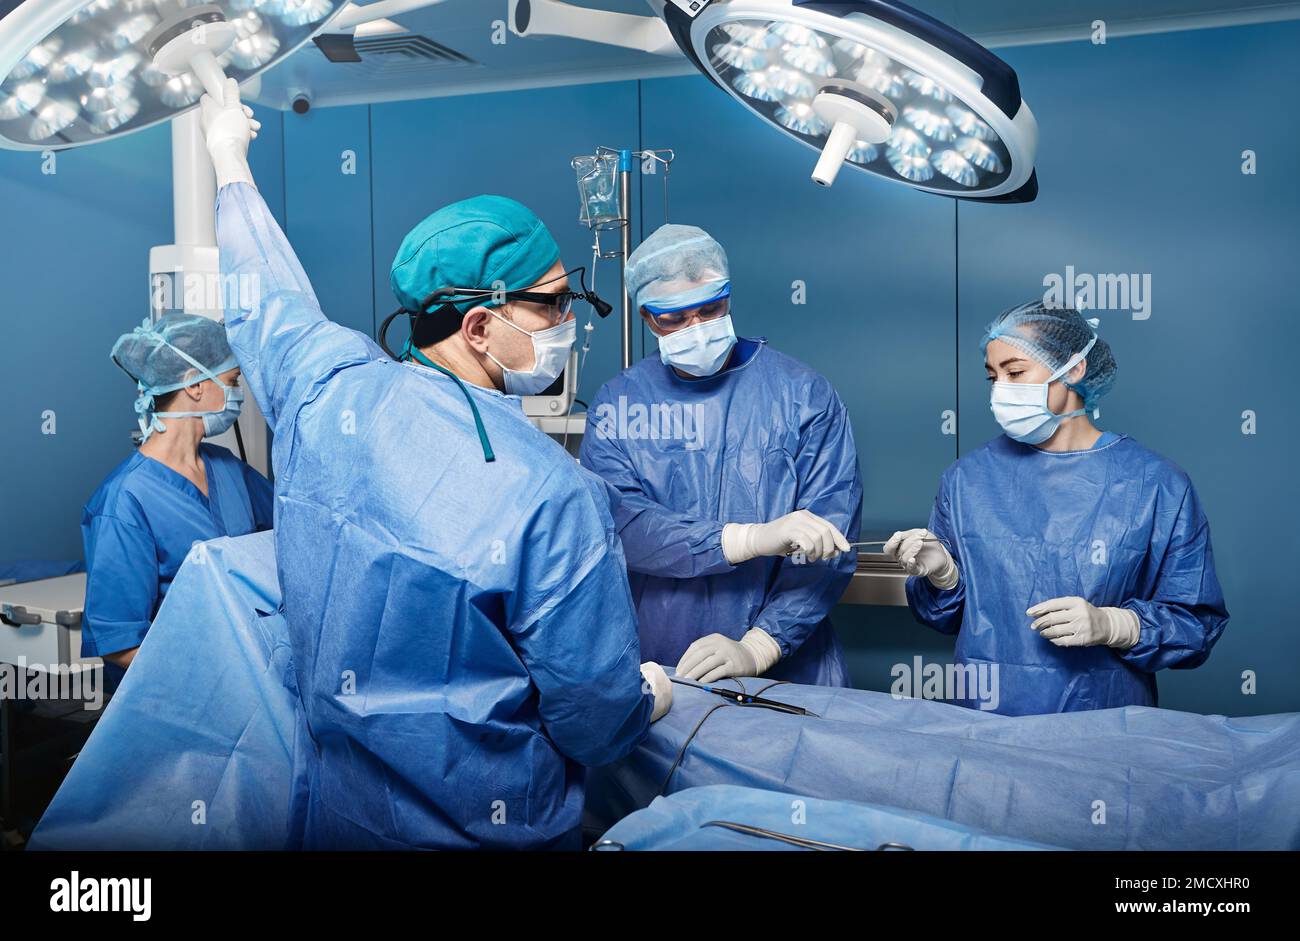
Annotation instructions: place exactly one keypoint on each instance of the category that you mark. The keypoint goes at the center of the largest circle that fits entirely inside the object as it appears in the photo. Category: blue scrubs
(138, 528)
(1117, 525)
(763, 438)
(463, 638)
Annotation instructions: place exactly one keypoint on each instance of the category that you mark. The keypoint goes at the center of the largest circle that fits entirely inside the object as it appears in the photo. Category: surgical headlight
(871, 83)
(77, 71)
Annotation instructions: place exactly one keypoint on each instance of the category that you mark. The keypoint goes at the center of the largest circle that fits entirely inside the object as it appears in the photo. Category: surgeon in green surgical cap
(462, 632)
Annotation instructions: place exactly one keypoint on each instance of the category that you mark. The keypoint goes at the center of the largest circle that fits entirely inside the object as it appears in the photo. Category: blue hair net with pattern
(1052, 335)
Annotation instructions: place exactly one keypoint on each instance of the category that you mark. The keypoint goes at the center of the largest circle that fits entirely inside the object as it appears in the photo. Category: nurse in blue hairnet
(175, 491)
(1072, 563)
(463, 638)
(737, 478)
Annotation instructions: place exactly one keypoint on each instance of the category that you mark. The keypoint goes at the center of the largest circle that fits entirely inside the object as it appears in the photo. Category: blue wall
(1140, 170)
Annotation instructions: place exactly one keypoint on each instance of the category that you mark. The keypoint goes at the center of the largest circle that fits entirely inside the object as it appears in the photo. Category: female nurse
(1071, 563)
(174, 491)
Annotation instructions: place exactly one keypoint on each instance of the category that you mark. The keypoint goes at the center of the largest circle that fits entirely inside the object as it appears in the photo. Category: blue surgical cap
(176, 351)
(1053, 335)
(154, 354)
(676, 266)
(474, 243)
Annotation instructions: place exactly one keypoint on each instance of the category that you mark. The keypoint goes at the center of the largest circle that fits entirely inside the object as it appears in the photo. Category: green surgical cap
(473, 244)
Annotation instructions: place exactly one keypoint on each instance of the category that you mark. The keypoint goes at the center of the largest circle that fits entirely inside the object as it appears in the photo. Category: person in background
(732, 514)
(463, 638)
(176, 490)
(1076, 561)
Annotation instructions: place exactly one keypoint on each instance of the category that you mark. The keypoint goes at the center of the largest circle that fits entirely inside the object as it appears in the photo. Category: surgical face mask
(700, 350)
(1021, 407)
(551, 349)
(215, 423)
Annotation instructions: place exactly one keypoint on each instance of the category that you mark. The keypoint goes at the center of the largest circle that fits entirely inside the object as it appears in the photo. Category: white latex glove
(1072, 622)
(661, 686)
(716, 657)
(800, 531)
(229, 126)
(920, 552)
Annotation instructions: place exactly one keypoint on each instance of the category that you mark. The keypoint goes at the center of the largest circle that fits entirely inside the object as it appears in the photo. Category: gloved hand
(1072, 622)
(798, 531)
(229, 126)
(920, 552)
(716, 657)
(661, 686)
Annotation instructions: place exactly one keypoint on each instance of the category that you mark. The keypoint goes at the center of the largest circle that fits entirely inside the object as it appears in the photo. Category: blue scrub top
(137, 530)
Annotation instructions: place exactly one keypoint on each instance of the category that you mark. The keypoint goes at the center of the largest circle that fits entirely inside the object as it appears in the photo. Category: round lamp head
(78, 71)
(870, 84)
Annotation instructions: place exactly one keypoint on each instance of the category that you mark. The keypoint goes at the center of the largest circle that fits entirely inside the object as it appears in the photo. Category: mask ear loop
(1075, 360)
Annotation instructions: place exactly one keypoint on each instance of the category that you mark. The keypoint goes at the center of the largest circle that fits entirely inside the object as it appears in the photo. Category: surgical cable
(681, 753)
(743, 698)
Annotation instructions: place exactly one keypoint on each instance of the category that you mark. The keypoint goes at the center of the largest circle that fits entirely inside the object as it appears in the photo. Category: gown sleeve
(656, 540)
(830, 486)
(941, 610)
(1185, 614)
(284, 343)
(579, 641)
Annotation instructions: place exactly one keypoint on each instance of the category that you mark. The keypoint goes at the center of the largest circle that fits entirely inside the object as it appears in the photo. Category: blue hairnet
(1052, 335)
(169, 354)
(675, 263)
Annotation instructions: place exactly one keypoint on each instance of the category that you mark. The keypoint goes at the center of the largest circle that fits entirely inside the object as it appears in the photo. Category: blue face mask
(215, 423)
(700, 350)
(1021, 407)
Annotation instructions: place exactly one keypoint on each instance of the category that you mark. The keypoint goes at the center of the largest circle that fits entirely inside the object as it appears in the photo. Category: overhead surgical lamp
(873, 84)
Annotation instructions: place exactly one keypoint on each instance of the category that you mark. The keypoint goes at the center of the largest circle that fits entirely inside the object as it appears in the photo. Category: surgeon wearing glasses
(456, 597)
(736, 475)
(1074, 560)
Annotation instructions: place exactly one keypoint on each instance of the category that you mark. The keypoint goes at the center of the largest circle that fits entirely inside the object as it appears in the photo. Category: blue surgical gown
(462, 634)
(1117, 525)
(138, 528)
(761, 439)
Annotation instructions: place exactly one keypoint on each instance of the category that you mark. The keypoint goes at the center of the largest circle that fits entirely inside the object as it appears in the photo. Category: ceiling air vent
(407, 52)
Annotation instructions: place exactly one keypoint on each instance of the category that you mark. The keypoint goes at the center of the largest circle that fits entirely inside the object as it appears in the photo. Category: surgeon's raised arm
(578, 638)
(274, 323)
(656, 540)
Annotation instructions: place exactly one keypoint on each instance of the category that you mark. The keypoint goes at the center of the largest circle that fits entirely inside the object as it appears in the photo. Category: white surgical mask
(1021, 407)
(551, 349)
(700, 350)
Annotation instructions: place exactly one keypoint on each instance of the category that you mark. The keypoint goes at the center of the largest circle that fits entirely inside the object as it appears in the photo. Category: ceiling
(463, 58)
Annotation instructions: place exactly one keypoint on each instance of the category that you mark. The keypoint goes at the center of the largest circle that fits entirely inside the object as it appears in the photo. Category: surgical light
(77, 71)
(871, 83)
